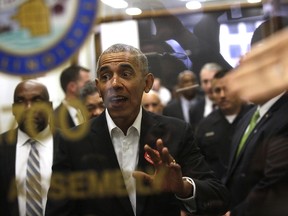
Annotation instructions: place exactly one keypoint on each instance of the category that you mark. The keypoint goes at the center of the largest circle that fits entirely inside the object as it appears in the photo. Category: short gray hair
(139, 56)
(211, 66)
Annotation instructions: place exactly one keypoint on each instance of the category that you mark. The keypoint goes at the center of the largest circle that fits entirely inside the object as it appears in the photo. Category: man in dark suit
(205, 104)
(32, 110)
(132, 161)
(214, 132)
(179, 107)
(258, 169)
(70, 112)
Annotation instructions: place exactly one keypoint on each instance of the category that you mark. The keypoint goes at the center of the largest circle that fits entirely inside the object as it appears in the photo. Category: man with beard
(26, 153)
(179, 107)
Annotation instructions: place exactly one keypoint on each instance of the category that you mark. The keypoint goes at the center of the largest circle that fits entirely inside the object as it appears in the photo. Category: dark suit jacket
(95, 152)
(174, 109)
(255, 178)
(66, 117)
(9, 207)
(196, 112)
(213, 136)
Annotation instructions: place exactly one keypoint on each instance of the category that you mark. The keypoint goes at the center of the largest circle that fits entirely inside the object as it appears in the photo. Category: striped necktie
(33, 183)
(251, 126)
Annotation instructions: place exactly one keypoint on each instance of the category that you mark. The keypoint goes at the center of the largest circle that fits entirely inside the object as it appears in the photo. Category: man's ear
(97, 86)
(71, 87)
(97, 83)
(149, 82)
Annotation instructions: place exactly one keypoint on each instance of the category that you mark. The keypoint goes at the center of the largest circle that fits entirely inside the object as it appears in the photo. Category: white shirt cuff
(189, 203)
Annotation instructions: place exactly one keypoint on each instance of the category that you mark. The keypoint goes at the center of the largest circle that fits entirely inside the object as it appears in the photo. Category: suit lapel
(68, 117)
(9, 164)
(233, 160)
(148, 136)
(180, 110)
(255, 133)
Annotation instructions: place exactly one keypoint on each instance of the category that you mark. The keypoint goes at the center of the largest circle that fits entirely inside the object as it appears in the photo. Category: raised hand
(167, 176)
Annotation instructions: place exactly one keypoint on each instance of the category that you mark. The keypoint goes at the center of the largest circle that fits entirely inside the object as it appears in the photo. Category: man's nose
(222, 93)
(28, 104)
(115, 80)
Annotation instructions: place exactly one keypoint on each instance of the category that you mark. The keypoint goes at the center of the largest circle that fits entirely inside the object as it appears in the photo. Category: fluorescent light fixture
(253, 1)
(133, 11)
(116, 3)
(193, 5)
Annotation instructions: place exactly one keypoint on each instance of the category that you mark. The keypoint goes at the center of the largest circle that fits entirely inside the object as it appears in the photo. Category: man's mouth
(117, 100)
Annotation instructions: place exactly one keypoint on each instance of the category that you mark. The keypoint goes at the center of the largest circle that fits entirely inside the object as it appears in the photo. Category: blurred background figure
(214, 132)
(68, 114)
(151, 102)
(90, 97)
(257, 174)
(27, 152)
(204, 105)
(179, 107)
(163, 92)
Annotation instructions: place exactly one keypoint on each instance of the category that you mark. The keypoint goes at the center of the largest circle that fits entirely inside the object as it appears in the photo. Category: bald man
(151, 101)
(32, 111)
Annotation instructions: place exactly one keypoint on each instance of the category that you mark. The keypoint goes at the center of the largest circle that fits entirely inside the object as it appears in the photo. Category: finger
(166, 157)
(159, 145)
(152, 155)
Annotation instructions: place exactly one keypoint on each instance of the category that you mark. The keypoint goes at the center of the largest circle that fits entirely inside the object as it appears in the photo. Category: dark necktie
(33, 183)
(251, 126)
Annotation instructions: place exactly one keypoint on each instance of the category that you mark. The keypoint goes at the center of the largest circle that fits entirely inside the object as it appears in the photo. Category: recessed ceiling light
(253, 1)
(133, 11)
(193, 5)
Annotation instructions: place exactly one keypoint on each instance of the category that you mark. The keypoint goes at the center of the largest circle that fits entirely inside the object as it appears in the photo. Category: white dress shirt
(186, 104)
(45, 149)
(208, 106)
(263, 109)
(72, 112)
(127, 152)
(231, 118)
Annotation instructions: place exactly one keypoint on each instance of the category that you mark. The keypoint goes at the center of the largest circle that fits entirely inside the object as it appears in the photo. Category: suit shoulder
(8, 137)
(56, 110)
(169, 119)
(172, 104)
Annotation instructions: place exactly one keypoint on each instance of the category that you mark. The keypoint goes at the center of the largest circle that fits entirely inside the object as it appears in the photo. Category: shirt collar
(72, 110)
(266, 106)
(41, 137)
(185, 101)
(208, 101)
(112, 125)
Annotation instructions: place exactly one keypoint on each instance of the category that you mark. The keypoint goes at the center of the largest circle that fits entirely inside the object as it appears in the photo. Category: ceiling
(162, 7)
